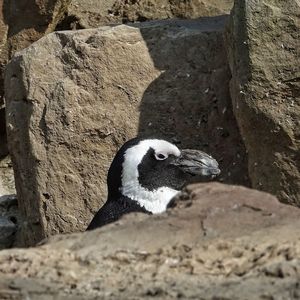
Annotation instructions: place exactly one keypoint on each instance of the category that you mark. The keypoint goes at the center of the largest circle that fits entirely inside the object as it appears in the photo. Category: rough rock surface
(3, 55)
(263, 42)
(9, 214)
(94, 13)
(22, 22)
(7, 184)
(9, 218)
(219, 242)
(142, 10)
(88, 14)
(103, 86)
(3, 138)
(8, 202)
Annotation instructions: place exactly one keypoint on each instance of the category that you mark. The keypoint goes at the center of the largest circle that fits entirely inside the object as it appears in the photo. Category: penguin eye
(160, 156)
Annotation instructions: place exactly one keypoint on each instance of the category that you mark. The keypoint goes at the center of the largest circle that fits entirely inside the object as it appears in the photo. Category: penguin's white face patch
(154, 201)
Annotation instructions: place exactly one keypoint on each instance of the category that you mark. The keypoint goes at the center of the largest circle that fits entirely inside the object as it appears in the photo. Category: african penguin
(146, 174)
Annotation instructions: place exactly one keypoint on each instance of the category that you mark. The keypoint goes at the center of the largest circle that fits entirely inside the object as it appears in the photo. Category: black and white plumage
(146, 174)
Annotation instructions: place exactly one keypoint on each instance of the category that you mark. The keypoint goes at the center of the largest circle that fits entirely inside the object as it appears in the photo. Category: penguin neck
(155, 201)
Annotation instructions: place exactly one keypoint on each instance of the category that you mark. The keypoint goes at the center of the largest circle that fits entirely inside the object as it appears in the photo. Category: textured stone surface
(88, 14)
(7, 231)
(102, 87)
(9, 219)
(7, 184)
(219, 242)
(263, 42)
(22, 22)
(8, 202)
(3, 138)
(132, 10)
(3, 56)
(94, 13)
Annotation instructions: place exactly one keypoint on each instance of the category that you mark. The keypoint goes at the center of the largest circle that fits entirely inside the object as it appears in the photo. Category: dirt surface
(218, 242)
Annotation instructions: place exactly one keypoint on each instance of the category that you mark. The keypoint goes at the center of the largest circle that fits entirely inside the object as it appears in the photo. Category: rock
(263, 44)
(3, 56)
(88, 14)
(9, 214)
(218, 241)
(7, 183)
(3, 137)
(103, 86)
(22, 23)
(7, 231)
(91, 14)
(132, 10)
(9, 219)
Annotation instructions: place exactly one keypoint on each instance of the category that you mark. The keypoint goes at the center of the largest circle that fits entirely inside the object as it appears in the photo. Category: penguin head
(152, 171)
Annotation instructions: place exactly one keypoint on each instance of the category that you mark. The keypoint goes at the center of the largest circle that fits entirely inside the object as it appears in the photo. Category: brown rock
(102, 87)
(7, 184)
(230, 242)
(132, 10)
(3, 54)
(23, 22)
(229, 209)
(3, 137)
(94, 13)
(263, 41)
(9, 213)
(88, 14)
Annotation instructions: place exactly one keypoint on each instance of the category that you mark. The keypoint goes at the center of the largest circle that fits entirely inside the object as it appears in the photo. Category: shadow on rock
(189, 103)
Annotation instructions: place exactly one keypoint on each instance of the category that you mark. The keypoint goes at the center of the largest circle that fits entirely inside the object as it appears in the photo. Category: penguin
(146, 174)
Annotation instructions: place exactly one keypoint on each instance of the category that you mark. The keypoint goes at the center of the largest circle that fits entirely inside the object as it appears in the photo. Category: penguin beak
(196, 162)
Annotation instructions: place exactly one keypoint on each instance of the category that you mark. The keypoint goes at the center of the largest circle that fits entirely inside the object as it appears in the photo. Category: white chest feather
(153, 201)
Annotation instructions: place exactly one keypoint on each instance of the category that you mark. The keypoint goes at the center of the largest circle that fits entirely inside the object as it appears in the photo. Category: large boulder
(74, 97)
(263, 43)
(23, 22)
(219, 242)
